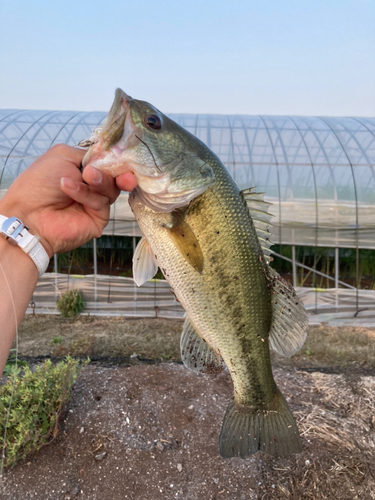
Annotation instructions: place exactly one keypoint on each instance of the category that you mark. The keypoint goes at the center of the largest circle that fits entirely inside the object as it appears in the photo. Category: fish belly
(228, 303)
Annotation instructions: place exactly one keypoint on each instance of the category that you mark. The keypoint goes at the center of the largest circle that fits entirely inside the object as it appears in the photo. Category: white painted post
(95, 259)
(337, 263)
(294, 267)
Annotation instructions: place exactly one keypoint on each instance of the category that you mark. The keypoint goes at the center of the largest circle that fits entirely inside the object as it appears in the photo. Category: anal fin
(196, 354)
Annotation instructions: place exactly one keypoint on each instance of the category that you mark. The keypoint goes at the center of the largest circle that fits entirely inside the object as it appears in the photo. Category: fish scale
(232, 284)
(212, 243)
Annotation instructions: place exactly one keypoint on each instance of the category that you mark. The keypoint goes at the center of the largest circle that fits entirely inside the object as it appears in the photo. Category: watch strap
(19, 235)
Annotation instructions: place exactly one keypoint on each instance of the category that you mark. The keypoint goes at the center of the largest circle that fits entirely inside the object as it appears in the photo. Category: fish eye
(153, 121)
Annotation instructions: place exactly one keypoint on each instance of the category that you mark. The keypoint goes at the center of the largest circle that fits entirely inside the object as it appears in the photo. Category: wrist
(15, 210)
(15, 261)
(17, 235)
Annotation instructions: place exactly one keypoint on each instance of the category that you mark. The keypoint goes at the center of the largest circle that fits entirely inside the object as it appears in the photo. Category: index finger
(69, 153)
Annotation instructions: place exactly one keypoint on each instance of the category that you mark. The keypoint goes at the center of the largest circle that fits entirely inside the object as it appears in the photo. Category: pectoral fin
(144, 266)
(196, 354)
(187, 244)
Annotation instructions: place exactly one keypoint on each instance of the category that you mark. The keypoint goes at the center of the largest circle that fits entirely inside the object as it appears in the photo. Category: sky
(275, 57)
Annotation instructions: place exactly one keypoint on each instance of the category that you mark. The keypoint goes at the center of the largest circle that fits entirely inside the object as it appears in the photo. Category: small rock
(216, 480)
(75, 491)
(160, 446)
(307, 462)
(190, 407)
(82, 430)
(101, 456)
(179, 467)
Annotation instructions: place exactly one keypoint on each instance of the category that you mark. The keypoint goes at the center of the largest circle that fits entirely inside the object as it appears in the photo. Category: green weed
(57, 340)
(38, 401)
(70, 304)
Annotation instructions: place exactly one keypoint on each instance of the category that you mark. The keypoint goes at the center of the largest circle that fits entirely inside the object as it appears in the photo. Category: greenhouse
(318, 173)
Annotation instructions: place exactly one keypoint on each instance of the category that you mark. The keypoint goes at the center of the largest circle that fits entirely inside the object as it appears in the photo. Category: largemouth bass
(211, 241)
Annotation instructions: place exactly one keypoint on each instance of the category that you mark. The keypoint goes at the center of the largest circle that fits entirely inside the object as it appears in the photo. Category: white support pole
(336, 267)
(134, 284)
(95, 259)
(294, 267)
(95, 255)
(337, 263)
(56, 269)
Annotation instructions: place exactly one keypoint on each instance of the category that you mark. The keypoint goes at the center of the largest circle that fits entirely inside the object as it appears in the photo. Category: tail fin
(272, 430)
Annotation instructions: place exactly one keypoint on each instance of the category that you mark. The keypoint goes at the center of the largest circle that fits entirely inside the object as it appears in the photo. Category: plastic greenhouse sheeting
(319, 172)
(118, 296)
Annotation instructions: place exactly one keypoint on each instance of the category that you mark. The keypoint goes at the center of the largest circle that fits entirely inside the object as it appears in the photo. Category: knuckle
(97, 232)
(100, 202)
(59, 149)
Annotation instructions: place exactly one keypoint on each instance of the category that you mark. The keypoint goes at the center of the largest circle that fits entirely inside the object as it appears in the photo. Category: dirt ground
(150, 431)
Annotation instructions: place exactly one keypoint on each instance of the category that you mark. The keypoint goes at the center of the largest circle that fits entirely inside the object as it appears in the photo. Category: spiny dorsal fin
(196, 354)
(258, 209)
(289, 320)
(144, 266)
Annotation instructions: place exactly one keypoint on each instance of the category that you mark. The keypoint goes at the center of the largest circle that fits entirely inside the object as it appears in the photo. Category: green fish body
(213, 251)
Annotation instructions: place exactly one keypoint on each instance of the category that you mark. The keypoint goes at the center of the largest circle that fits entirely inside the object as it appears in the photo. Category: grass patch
(329, 346)
(38, 401)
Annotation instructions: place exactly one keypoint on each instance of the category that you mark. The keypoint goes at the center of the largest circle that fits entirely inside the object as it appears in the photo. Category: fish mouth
(119, 106)
(104, 143)
(120, 145)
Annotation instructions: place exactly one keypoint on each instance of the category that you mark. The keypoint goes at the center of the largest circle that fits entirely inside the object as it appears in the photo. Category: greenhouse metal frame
(318, 172)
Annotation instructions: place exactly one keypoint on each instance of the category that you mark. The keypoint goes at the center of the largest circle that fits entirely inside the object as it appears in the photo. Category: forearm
(65, 208)
(18, 278)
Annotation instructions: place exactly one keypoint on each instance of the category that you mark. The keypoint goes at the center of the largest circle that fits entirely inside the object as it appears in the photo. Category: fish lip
(94, 143)
(121, 100)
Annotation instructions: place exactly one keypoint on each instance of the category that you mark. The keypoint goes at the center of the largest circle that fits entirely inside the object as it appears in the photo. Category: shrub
(11, 363)
(70, 304)
(38, 401)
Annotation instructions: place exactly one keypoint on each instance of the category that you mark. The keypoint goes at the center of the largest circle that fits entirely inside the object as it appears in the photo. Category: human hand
(51, 198)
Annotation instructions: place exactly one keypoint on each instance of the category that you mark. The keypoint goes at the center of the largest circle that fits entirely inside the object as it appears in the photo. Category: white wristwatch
(13, 230)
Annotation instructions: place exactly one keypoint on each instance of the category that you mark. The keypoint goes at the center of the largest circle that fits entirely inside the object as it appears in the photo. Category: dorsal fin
(258, 209)
(289, 319)
(196, 354)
